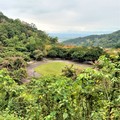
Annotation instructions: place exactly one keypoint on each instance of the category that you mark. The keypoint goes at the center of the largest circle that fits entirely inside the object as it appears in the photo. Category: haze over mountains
(63, 36)
(104, 40)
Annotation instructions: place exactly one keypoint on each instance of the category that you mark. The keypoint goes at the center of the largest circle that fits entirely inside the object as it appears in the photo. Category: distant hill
(105, 40)
(62, 36)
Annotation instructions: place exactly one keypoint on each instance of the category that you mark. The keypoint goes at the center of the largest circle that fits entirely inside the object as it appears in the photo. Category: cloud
(66, 15)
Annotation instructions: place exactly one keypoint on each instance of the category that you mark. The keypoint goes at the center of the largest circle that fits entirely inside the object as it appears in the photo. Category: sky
(65, 15)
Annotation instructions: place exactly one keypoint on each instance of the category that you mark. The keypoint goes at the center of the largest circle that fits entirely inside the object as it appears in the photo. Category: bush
(4, 115)
(13, 63)
(19, 75)
(52, 54)
(21, 49)
(93, 54)
(80, 54)
(37, 55)
(69, 71)
(16, 67)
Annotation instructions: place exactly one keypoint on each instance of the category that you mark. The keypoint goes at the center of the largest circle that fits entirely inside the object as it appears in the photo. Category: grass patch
(53, 68)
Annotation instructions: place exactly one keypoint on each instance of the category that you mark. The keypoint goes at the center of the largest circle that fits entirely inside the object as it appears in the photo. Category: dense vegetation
(105, 41)
(18, 38)
(80, 54)
(91, 94)
(21, 42)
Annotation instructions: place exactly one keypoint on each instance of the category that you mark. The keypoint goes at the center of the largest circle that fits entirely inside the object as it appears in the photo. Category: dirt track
(30, 70)
(33, 64)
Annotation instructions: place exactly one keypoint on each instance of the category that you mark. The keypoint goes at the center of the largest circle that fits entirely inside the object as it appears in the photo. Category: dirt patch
(33, 64)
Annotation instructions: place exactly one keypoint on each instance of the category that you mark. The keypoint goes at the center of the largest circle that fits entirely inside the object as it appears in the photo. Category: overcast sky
(66, 15)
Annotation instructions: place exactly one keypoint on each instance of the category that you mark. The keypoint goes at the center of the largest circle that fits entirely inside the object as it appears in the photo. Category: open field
(55, 67)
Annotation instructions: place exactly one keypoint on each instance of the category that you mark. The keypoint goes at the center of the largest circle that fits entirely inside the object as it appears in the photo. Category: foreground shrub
(16, 67)
(70, 71)
(14, 63)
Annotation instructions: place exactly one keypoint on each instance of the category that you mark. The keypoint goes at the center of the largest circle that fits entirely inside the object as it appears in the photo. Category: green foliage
(57, 52)
(4, 115)
(118, 45)
(37, 55)
(14, 63)
(94, 95)
(21, 38)
(93, 54)
(16, 67)
(80, 54)
(69, 71)
(53, 40)
(7, 52)
(52, 54)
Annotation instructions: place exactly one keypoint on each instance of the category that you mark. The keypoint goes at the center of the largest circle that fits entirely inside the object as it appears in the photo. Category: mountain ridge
(103, 40)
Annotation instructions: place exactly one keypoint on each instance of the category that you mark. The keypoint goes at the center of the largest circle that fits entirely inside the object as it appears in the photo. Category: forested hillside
(21, 42)
(21, 39)
(107, 40)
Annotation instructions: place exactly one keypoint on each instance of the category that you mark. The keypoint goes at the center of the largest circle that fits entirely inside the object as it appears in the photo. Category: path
(33, 64)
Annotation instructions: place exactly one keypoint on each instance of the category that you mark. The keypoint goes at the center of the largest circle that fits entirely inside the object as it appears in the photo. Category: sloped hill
(19, 38)
(106, 40)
